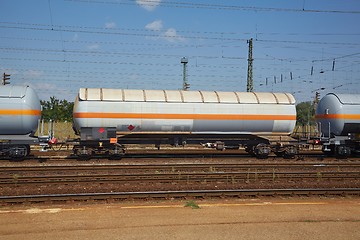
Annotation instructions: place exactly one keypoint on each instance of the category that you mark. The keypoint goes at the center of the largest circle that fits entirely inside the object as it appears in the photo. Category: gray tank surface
(20, 110)
(339, 114)
(207, 112)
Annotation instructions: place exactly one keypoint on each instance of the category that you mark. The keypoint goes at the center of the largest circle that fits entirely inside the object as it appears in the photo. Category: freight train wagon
(108, 119)
(20, 112)
(338, 118)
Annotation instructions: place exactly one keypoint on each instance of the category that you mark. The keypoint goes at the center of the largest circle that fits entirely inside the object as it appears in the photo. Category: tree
(305, 113)
(57, 110)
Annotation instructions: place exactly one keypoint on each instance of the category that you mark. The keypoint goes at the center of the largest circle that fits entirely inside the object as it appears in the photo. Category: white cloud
(169, 34)
(172, 36)
(155, 25)
(110, 25)
(34, 73)
(43, 86)
(93, 47)
(149, 5)
(134, 76)
(75, 37)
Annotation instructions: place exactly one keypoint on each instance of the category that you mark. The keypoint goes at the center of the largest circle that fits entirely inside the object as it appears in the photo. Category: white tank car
(194, 112)
(19, 111)
(339, 114)
(338, 118)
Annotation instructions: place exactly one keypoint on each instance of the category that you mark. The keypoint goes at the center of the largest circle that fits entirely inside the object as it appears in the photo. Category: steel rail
(172, 167)
(179, 177)
(121, 196)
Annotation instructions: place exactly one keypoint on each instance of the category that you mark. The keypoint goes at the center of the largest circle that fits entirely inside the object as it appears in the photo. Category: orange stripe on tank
(338, 116)
(184, 116)
(20, 112)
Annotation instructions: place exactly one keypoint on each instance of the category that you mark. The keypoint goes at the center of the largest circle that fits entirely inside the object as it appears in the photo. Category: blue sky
(299, 46)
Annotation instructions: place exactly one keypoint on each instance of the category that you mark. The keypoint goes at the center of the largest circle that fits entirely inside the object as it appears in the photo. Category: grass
(192, 204)
(15, 179)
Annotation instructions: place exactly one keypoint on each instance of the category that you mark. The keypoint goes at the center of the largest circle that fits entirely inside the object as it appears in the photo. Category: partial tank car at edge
(338, 118)
(20, 112)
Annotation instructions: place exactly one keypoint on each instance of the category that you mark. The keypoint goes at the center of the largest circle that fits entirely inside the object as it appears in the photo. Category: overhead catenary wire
(209, 6)
(151, 33)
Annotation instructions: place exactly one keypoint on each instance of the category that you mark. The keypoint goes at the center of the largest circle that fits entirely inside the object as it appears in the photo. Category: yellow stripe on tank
(184, 116)
(338, 116)
(14, 112)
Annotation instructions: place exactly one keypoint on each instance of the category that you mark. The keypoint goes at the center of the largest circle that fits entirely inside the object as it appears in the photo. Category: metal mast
(186, 85)
(250, 83)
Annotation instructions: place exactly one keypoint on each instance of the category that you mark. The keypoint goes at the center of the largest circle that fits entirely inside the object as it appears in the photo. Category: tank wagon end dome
(20, 110)
(339, 114)
(13, 91)
(347, 99)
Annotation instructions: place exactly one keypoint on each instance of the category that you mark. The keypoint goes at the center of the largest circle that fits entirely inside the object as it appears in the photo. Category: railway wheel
(262, 151)
(116, 153)
(19, 151)
(290, 152)
(83, 153)
(342, 152)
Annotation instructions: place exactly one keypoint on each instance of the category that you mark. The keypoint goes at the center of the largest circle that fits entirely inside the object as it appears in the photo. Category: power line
(148, 33)
(209, 6)
(306, 42)
(112, 53)
(328, 59)
(109, 53)
(109, 63)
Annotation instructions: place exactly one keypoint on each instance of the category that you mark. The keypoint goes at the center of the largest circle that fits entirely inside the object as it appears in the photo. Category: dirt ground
(293, 218)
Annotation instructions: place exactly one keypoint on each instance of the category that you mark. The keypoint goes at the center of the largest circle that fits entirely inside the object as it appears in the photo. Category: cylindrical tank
(20, 110)
(185, 111)
(339, 114)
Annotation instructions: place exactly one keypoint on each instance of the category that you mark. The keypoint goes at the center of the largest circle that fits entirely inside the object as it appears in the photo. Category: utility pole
(250, 83)
(186, 85)
(6, 78)
(316, 99)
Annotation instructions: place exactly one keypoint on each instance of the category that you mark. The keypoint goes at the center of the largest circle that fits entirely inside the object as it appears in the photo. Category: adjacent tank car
(106, 119)
(20, 111)
(338, 118)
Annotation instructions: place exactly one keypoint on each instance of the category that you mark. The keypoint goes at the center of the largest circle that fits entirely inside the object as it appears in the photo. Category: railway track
(119, 177)
(178, 167)
(228, 177)
(121, 196)
(177, 173)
